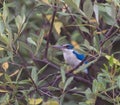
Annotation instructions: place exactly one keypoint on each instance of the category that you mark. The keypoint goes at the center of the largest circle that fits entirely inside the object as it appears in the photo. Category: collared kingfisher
(72, 57)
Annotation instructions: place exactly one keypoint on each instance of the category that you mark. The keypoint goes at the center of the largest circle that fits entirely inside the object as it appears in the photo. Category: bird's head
(64, 47)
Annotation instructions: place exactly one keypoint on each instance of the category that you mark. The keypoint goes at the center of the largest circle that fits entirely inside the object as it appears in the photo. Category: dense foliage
(34, 73)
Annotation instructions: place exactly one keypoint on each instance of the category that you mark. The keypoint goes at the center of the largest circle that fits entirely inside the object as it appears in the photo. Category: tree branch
(108, 35)
(50, 31)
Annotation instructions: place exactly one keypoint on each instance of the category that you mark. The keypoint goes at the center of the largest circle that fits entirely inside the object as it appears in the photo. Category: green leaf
(77, 2)
(31, 41)
(95, 86)
(112, 60)
(42, 69)
(84, 29)
(88, 93)
(7, 77)
(61, 40)
(19, 74)
(24, 46)
(4, 39)
(82, 103)
(86, 43)
(106, 98)
(20, 23)
(62, 99)
(23, 82)
(102, 83)
(61, 85)
(96, 11)
(5, 11)
(40, 37)
(63, 75)
(110, 11)
(67, 83)
(72, 4)
(108, 19)
(39, 41)
(106, 67)
(91, 101)
(67, 14)
(89, 47)
(34, 74)
(117, 2)
(16, 102)
(4, 59)
(2, 28)
(98, 85)
(88, 8)
(96, 42)
(4, 99)
(118, 81)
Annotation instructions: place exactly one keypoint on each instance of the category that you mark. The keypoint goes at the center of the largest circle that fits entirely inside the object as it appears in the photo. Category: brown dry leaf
(93, 21)
(1, 74)
(75, 44)
(14, 73)
(101, 32)
(3, 91)
(5, 66)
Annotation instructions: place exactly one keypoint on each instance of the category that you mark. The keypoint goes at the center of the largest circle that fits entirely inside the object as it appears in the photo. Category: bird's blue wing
(79, 56)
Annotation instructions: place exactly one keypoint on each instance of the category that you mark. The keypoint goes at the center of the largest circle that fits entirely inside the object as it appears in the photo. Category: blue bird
(72, 57)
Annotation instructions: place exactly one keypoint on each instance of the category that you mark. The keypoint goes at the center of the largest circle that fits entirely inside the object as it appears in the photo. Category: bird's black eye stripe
(69, 46)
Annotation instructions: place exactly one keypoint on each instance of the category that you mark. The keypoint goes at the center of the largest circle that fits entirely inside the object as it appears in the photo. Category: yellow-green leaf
(58, 26)
(51, 102)
(1, 49)
(46, 1)
(115, 61)
(33, 101)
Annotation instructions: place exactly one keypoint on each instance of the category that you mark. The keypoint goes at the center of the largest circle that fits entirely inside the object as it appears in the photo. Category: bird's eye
(69, 46)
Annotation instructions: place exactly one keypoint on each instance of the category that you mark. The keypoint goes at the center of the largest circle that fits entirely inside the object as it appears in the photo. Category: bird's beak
(58, 47)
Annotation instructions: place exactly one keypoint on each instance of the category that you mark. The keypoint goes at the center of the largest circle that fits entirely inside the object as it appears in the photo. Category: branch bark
(50, 31)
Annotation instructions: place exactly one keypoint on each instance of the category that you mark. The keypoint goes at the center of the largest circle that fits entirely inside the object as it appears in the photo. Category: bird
(71, 57)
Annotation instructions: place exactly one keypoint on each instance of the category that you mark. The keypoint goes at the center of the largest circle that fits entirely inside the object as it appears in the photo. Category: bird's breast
(71, 59)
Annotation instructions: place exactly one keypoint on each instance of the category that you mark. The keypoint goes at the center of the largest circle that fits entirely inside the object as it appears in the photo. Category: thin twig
(108, 35)
(26, 70)
(78, 78)
(38, 62)
(73, 19)
(50, 31)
